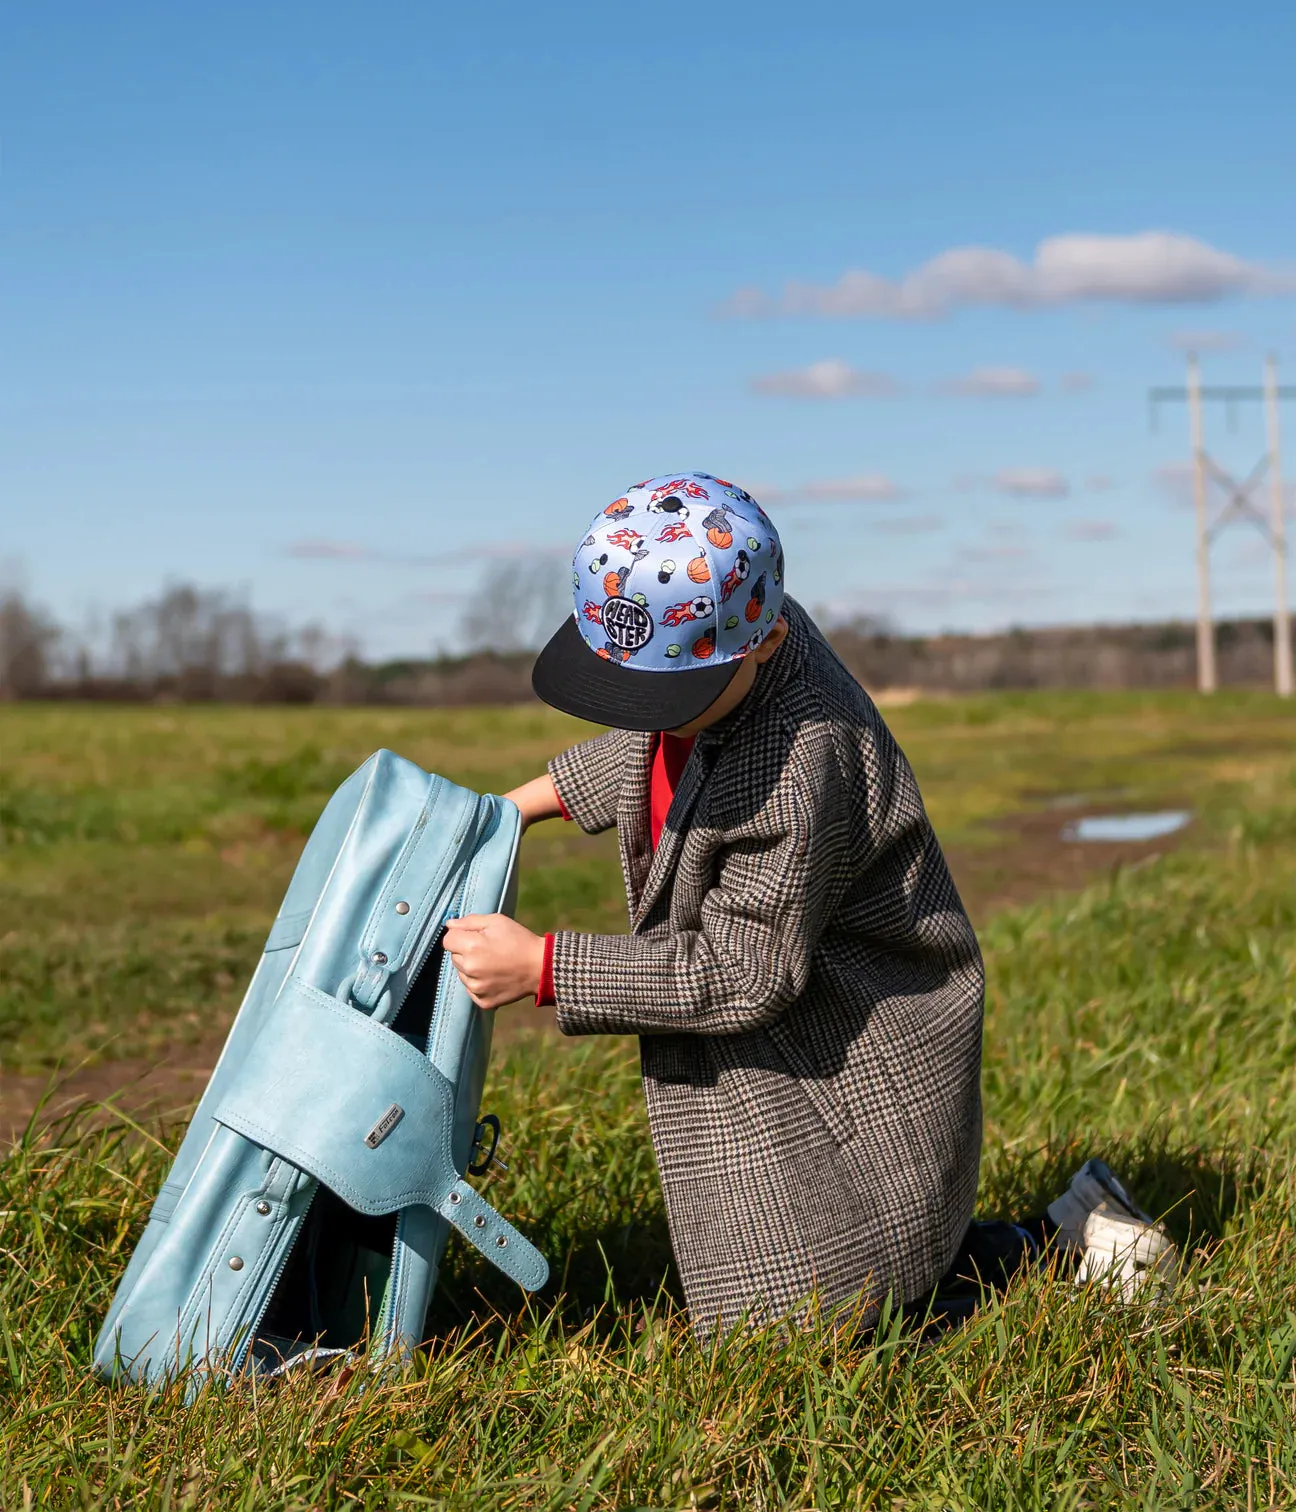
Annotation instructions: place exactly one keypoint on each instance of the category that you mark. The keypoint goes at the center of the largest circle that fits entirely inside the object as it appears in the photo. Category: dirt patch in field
(162, 1091)
(1034, 862)
(1031, 863)
(156, 1091)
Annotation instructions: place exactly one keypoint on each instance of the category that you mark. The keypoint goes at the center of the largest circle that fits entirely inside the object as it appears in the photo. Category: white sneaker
(1118, 1244)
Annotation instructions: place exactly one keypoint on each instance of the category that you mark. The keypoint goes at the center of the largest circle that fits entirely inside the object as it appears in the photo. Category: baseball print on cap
(672, 585)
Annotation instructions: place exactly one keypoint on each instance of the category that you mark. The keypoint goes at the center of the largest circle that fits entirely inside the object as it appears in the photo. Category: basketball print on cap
(662, 538)
(683, 574)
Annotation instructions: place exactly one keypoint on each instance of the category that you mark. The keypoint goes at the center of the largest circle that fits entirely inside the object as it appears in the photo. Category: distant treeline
(197, 645)
(1064, 656)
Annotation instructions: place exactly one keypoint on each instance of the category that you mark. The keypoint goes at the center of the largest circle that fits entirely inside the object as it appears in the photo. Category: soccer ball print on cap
(684, 570)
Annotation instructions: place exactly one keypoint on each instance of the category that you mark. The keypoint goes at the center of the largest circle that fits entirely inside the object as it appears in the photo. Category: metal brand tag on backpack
(384, 1126)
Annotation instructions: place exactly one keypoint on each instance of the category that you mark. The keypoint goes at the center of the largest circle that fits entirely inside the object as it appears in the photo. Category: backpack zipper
(424, 950)
(387, 1317)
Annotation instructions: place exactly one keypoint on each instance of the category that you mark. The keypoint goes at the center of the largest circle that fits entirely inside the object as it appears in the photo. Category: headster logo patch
(384, 1126)
(628, 625)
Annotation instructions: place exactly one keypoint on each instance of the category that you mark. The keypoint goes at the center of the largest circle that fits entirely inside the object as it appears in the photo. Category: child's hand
(498, 959)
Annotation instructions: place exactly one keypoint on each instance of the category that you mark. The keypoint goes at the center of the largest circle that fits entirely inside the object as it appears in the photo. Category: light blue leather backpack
(310, 1202)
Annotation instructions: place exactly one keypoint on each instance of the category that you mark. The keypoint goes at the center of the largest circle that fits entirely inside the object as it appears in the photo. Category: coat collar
(779, 673)
(647, 872)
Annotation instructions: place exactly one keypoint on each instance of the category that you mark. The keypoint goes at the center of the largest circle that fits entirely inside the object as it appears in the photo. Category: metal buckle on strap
(479, 1164)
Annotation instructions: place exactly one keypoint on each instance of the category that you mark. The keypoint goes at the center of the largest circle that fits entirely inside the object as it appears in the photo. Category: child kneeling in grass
(804, 979)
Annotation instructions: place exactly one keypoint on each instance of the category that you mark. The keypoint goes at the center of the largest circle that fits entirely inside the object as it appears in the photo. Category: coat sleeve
(588, 778)
(781, 876)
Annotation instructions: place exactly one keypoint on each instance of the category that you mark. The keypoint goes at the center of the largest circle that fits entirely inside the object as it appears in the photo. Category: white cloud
(507, 551)
(764, 493)
(921, 524)
(993, 383)
(945, 593)
(319, 550)
(330, 551)
(862, 487)
(1075, 383)
(1149, 267)
(994, 553)
(1175, 479)
(830, 379)
(747, 303)
(1206, 341)
(1173, 474)
(1243, 554)
(1090, 530)
(1021, 483)
(436, 597)
(1031, 483)
(858, 488)
(1099, 482)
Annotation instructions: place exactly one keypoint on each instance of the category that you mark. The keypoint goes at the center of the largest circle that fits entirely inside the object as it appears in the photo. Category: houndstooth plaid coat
(807, 988)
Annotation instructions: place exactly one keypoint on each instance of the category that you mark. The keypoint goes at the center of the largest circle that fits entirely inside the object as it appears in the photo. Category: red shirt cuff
(545, 989)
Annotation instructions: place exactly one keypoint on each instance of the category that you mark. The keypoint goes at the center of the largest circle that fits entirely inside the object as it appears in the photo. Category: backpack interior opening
(333, 1289)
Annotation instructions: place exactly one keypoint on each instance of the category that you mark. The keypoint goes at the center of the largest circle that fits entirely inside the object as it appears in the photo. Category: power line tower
(1239, 505)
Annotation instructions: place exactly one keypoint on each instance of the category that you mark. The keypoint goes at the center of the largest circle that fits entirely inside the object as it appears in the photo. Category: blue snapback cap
(672, 585)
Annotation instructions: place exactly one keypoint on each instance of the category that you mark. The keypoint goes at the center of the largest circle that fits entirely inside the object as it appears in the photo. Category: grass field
(1147, 1017)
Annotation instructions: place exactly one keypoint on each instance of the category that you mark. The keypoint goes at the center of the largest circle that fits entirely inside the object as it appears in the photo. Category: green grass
(1148, 1018)
(143, 851)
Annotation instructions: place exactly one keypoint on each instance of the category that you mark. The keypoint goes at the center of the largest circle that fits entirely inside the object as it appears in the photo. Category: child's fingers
(458, 937)
(476, 989)
(473, 921)
(467, 975)
(480, 983)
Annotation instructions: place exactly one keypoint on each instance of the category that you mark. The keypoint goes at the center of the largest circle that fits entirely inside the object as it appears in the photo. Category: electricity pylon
(1239, 506)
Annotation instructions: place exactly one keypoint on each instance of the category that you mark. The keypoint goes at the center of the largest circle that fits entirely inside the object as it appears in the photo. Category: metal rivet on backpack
(379, 957)
(264, 1209)
(236, 1262)
(479, 1221)
(402, 908)
(501, 1241)
(455, 1198)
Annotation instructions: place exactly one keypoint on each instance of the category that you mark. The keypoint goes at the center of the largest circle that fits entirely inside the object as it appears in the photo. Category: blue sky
(348, 306)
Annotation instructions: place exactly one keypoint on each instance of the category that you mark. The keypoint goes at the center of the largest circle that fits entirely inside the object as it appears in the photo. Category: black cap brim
(571, 677)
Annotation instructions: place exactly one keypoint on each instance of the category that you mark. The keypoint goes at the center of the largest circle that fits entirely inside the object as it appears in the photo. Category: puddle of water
(1127, 827)
(1082, 800)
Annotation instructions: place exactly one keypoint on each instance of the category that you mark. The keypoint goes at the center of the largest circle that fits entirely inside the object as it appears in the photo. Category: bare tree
(201, 640)
(190, 631)
(517, 606)
(861, 623)
(28, 641)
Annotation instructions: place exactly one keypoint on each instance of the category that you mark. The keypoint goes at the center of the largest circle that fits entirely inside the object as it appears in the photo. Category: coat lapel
(634, 836)
(647, 874)
(662, 868)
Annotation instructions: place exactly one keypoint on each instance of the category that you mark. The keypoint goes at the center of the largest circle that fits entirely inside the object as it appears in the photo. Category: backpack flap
(352, 1103)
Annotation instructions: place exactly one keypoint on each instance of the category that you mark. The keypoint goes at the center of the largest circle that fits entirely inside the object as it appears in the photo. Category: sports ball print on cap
(672, 585)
